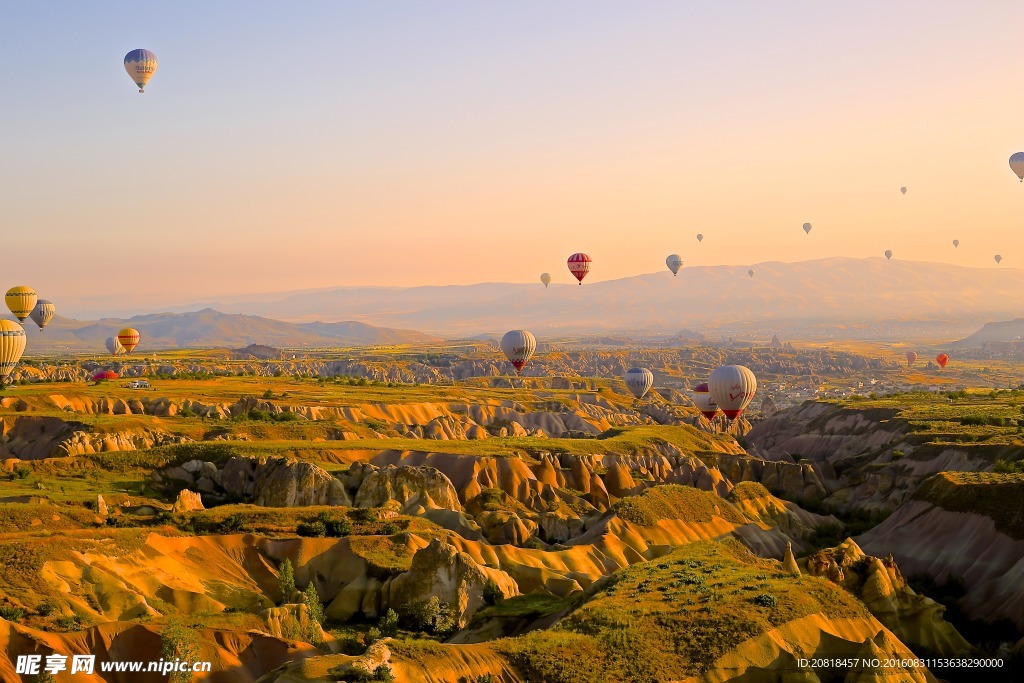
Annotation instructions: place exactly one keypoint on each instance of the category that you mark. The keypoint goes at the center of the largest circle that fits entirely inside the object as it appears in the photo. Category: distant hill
(209, 328)
(1005, 331)
(869, 297)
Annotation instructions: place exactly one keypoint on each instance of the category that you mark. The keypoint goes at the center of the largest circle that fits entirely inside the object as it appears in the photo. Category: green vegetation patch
(998, 496)
(673, 501)
(749, 490)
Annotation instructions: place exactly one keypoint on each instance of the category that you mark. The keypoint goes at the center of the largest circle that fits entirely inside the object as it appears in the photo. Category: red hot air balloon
(942, 359)
(579, 265)
(104, 375)
(911, 359)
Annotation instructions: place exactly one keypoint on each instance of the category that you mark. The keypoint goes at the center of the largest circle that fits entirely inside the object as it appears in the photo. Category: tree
(388, 624)
(312, 601)
(286, 580)
(179, 642)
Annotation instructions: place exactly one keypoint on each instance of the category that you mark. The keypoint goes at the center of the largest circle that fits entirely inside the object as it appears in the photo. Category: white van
(138, 384)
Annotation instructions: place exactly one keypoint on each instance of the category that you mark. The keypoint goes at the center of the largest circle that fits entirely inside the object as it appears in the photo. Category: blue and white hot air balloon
(140, 65)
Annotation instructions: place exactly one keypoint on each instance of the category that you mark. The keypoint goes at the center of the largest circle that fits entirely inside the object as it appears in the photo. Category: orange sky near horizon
(454, 143)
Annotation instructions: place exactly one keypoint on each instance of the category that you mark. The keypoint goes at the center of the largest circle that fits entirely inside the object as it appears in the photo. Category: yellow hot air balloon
(21, 301)
(129, 338)
(12, 345)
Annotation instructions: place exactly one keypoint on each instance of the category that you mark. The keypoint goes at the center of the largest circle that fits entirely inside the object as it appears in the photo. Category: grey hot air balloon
(750, 273)
(700, 237)
(674, 262)
(956, 243)
(903, 190)
(43, 313)
(545, 278)
(114, 347)
(888, 253)
(998, 258)
(1017, 165)
(807, 228)
(518, 346)
(639, 381)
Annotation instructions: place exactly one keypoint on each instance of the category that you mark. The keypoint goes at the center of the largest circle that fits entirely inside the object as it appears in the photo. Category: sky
(285, 146)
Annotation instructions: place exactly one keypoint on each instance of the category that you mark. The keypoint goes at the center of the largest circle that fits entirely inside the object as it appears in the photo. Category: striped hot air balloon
(21, 300)
(12, 345)
(732, 387)
(140, 65)
(704, 401)
(639, 381)
(579, 265)
(518, 346)
(129, 338)
(43, 313)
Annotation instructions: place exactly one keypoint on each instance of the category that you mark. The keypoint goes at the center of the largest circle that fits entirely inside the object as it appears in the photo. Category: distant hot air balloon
(732, 387)
(888, 253)
(518, 346)
(103, 375)
(942, 359)
(129, 338)
(21, 301)
(700, 237)
(1017, 165)
(579, 266)
(639, 381)
(704, 401)
(114, 347)
(956, 243)
(903, 190)
(911, 359)
(43, 313)
(140, 65)
(750, 273)
(807, 228)
(545, 278)
(998, 258)
(674, 262)
(12, 345)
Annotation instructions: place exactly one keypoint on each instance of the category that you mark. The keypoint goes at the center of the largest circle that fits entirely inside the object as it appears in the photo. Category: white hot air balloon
(807, 228)
(674, 262)
(639, 381)
(888, 253)
(956, 243)
(705, 403)
(114, 347)
(545, 278)
(998, 258)
(1017, 165)
(903, 190)
(43, 313)
(732, 387)
(700, 237)
(518, 346)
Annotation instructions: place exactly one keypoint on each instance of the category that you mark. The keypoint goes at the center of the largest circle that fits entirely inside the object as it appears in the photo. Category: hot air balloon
(21, 301)
(703, 400)
(903, 190)
(43, 313)
(750, 273)
(12, 345)
(700, 237)
(518, 346)
(956, 243)
(942, 359)
(911, 359)
(732, 387)
(674, 263)
(140, 65)
(545, 278)
(998, 258)
(103, 375)
(807, 228)
(1017, 165)
(579, 266)
(129, 338)
(639, 381)
(888, 253)
(114, 347)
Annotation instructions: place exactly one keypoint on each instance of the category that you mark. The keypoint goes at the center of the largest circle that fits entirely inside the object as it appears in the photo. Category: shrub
(315, 529)
(493, 595)
(383, 673)
(338, 527)
(286, 417)
(45, 608)
(431, 616)
(68, 622)
(390, 529)
(11, 613)
(372, 636)
(178, 641)
(766, 600)
(388, 624)
(22, 471)
(231, 524)
(365, 514)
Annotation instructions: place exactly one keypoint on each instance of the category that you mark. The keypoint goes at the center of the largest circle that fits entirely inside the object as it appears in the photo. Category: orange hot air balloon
(129, 338)
(942, 359)
(911, 359)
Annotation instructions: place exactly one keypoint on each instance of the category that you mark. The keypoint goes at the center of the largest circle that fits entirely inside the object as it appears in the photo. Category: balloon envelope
(911, 359)
(956, 243)
(639, 381)
(750, 273)
(545, 278)
(518, 346)
(700, 237)
(103, 375)
(21, 301)
(807, 228)
(732, 387)
(998, 258)
(140, 65)
(579, 265)
(674, 262)
(888, 253)
(43, 313)
(903, 190)
(113, 346)
(942, 359)
(129, 338)
(704, 401)
(12, 345)
(1017, 164)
